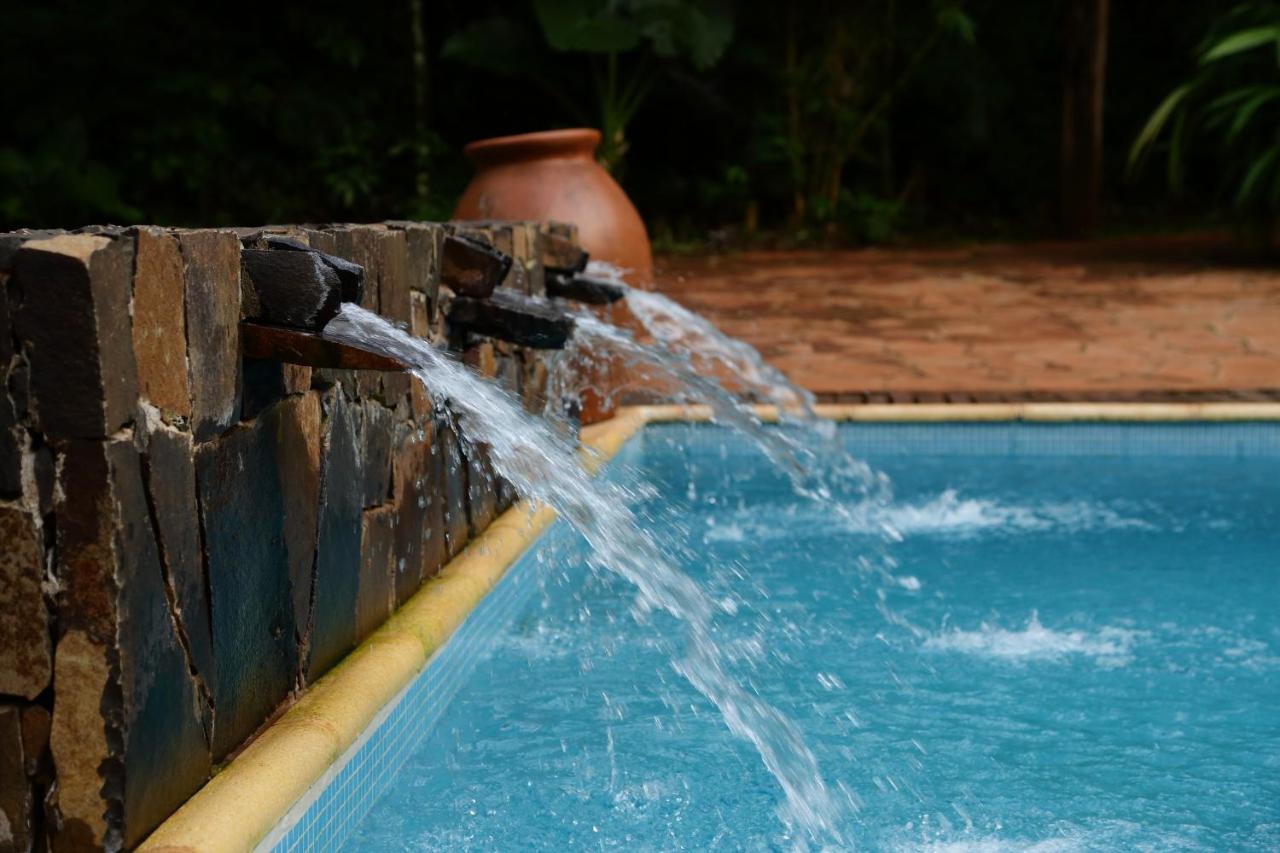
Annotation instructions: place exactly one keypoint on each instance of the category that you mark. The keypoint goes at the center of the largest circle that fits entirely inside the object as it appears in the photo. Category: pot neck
(574, 144)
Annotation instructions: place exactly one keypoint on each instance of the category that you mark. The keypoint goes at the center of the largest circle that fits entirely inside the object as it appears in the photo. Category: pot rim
(575, 143)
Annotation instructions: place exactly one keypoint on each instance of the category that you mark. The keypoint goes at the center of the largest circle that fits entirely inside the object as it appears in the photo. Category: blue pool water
(1073, 643)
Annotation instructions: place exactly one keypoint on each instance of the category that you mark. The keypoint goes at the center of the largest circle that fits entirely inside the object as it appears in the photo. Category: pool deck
(1190, 318)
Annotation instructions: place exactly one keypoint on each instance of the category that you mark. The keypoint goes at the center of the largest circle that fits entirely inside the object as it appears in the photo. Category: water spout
(513, 317)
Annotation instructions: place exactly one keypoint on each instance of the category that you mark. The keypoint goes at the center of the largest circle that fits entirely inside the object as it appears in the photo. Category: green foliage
(1231, 106)
(646, 31)
(843, 71)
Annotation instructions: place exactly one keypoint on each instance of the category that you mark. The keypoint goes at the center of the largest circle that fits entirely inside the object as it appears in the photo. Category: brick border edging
(1150, 395)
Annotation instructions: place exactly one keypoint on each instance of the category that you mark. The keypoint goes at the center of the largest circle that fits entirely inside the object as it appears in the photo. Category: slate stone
(268, 381)
(171, 486)
(393, 275)
(529, 253)
(159, 322)
(16, 797)
(251, 598)
(26, 663)
(513, 317)
(482, 488)
(336, 582)
(296, 422)
(376, 429)
(393, 300)
(128, 734)
(36, 721)
(288, 288)
(533, 384)
(419, 533)
(10, 449)
(422, 266)
(73, 314)
(351, 276)
(471, 267)
(452, 475)
(85, 568)
(10, 444)
(79, 743)
(377, 589)
(584, 288)
(562, 255)
(211, 262)
(166, 754)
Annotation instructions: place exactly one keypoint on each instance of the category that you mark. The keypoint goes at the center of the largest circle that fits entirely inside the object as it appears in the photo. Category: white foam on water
(1109, 645)
(948, 513)
(999, 845)
(944, 515)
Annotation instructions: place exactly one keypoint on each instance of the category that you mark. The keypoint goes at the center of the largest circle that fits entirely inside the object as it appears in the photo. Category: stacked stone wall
(188, 538)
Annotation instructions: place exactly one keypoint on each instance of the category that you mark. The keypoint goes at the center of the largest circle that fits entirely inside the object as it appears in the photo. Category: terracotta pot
(554, 175)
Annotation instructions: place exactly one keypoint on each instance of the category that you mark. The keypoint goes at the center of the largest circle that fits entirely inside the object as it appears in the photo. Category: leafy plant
(624, 41)
(1231, 104)
(844, 68)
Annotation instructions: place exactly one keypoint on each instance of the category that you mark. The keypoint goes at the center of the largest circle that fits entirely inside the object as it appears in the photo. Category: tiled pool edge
(268, 790)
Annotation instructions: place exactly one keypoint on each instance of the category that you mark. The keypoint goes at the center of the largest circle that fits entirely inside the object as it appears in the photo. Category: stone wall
(188, 537)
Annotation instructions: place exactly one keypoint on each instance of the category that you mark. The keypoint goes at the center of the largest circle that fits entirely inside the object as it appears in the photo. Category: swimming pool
(1075, 644)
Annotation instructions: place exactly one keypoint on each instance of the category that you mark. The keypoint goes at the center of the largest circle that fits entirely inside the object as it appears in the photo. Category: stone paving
(1150, 318)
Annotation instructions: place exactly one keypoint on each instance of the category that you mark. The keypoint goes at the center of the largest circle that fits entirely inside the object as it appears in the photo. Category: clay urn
(554, 175)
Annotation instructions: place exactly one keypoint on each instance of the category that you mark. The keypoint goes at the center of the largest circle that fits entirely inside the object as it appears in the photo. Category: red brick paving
(1146, 318)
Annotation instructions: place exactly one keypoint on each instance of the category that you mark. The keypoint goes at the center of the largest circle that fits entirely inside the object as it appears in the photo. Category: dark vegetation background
(210, 114)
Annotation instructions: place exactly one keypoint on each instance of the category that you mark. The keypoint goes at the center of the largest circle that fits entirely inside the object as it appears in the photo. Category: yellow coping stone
(240, 805)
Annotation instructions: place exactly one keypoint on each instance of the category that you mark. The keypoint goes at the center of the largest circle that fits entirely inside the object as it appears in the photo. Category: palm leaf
(1250, 107)
(1256, 172)
(1151, 130)
(1240, 42)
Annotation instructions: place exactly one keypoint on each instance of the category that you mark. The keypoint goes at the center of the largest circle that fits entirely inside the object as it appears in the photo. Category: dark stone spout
(287, 283)
(513, 317)
(312, 349)
(472, 268)
(585, 288)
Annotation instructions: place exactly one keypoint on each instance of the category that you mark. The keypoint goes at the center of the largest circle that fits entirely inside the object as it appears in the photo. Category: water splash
(686, 333)
(542, 466)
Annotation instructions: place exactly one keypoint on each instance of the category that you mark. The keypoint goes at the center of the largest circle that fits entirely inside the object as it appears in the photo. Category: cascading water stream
(815, 465)
(543, 467)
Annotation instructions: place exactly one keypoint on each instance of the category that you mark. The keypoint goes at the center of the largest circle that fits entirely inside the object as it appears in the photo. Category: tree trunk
(1085, 65)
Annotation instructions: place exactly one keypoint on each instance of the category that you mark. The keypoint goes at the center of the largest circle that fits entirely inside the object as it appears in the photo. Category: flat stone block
(16, 797)
(255, 641)
(333, 617)
(78, 740)
(452, 473)
(419, 529)
(171, 484)
(482, 488)
(377, 425)
(159, 322)
(165, 750)
(72, 312)
(297, 423)
(25, 659)
(377, 592)
(211, 269)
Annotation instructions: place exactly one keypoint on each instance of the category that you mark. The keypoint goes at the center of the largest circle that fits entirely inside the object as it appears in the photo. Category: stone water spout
(512, 317)
(288, 293)
(585, 288)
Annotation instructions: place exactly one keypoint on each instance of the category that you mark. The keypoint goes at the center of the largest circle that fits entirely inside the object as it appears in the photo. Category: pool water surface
(1057, 637)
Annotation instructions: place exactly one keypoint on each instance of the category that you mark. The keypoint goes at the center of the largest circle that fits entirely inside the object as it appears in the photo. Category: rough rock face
(191, 537)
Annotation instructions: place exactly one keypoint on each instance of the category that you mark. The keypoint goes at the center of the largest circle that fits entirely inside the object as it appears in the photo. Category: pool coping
(243, 803)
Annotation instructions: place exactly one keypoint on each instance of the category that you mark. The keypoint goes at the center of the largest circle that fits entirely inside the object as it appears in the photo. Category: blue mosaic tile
(335, 804)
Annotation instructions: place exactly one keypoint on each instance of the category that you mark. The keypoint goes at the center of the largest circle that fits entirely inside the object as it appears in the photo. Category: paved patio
(1166, 318)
